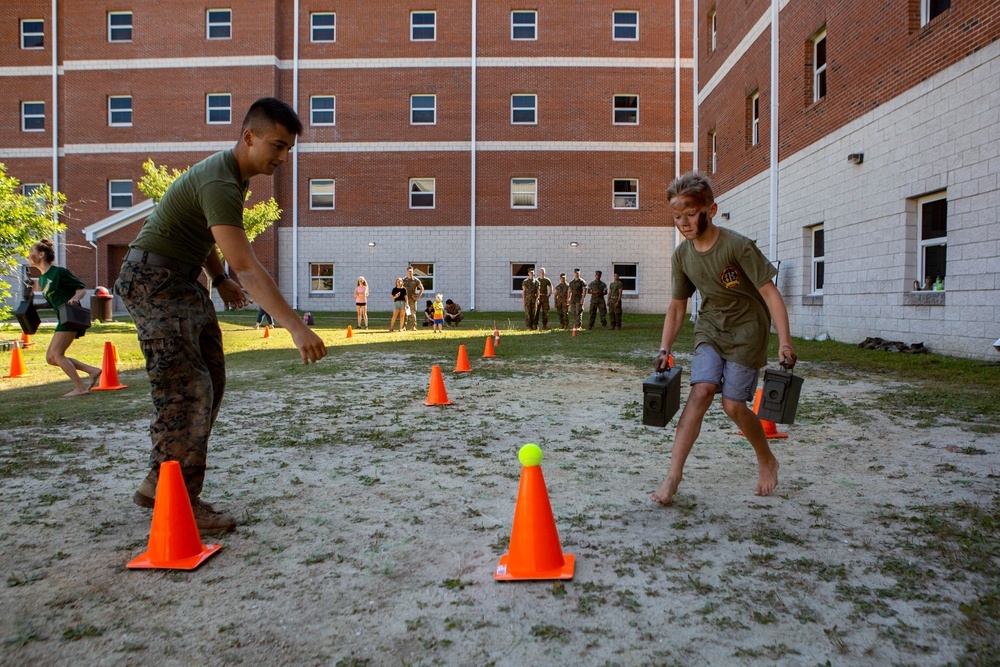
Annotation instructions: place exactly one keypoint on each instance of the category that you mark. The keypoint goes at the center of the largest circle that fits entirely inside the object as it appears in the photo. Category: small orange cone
(488, 352)
(496, 335)
(174, 543)
(574, 331)
(26, 341)
(109, 373)
(17, 367)
(770, 428)
(670, 364)
(534, 551)
(462, 365)
(436, 395)
(350, 333)
(114, 349)
(267, 332)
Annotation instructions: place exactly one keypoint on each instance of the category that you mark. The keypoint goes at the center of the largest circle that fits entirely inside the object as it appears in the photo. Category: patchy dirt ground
(371, 526)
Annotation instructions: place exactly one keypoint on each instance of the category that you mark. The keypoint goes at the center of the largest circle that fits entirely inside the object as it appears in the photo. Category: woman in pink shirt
(361, 300)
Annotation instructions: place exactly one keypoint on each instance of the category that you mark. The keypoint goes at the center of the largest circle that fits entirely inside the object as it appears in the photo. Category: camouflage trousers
(412, 318)
(615, 313)
(597, 304)
(542, 315)
(563, 311)
(180, 338)
(531, 315)
(576, 312)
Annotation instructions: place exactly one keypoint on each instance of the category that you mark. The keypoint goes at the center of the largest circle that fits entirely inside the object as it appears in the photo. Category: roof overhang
(120, 219)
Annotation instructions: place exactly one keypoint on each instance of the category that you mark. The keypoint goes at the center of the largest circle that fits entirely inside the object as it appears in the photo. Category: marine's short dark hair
(562, 275)
(449, 302)
(598, 274)
(272, 111)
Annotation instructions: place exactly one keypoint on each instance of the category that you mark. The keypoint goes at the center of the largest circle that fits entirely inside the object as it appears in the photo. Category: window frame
(25, 116)
(432, 110)
(616, 268)
(819, 71)
(533, 25)
(514, 109)
(624, 109)
(314, 194)
(414, 26)
(817, 272)
(209, 109)
(516, 279)
(616, 194)
(755, 118)
(28, 189)
(925, 12)
(525, 180)
(713, 30)
(112, 111)
(313, 110)
(424, 272)
(432, 193)
(316, 276)
(313, 28)
(25, 35)
(112, 194)
(713, 151)
(209, 24)
(615, 25)
(112, 28)
(938, 241)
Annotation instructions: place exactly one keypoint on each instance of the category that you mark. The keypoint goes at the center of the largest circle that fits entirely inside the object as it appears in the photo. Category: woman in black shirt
(398, 305)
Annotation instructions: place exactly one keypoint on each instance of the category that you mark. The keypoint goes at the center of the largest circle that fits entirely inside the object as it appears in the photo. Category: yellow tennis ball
(530, 455)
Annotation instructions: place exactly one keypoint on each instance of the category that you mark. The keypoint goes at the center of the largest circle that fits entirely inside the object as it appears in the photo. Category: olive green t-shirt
(208, 194)
(733, 317)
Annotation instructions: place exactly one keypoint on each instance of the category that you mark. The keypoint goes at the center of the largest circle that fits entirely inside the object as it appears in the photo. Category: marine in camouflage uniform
(414, 290)
(544, 290)
(562, 301)
(577, 291)
(597, 289)
(529, 299)
(615, 290)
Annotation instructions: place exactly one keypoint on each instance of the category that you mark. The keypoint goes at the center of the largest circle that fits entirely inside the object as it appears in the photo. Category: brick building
(473, 140)
(888, 155)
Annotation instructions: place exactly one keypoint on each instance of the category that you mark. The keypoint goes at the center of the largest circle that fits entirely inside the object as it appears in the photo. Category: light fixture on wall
(371, 244)
(573, 244)
(856, 158)
(725, 216)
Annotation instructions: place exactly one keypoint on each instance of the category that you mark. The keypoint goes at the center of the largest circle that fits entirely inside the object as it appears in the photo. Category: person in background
(361, 301)
(398, 306)
(429, 314)
(261, 314)
(562, 301)
(438, 313)
(452, 313)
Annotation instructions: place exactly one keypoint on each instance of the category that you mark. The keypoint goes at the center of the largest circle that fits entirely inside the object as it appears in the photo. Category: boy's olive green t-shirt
(733, 317)
(209, 193)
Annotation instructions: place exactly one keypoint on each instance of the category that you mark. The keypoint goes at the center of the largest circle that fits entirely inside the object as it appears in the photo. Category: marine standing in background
(577, 290)
(597, 289)
(414, 290)
(544, 290)
(615, 290)
(529, 299)
(562, 301)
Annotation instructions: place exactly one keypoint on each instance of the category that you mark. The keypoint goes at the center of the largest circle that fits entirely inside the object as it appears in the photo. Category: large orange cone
(436, 395)
(534, 551)
(267, 331)
(462, 365)
(174, 543)
(488, 352)
(17, 367)
(26, 341)
(109, 373)
(350, 333)
(770, 428)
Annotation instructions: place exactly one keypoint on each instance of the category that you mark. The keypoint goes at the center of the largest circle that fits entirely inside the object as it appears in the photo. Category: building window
(33, 116)
(712, 31)
(120, 111)
(524, 193)
(421, 193)
(626, 26)
(819, 67)
(219, 108)
(424, 272)
(818, 259)
(754, 119)
(321, 277)
(119, 195)
(32, 34)
(932, 238)
(219, 24)
(323, 27)
(625, 193)
(423, 109)
(423, 26)
(629, 275)
(321, 193)
(930, 9)
(518, 272)
(713, 154)
(523, 109)
(119, 26)
(323, 110)
(28, 189)
(524, 25)
(626, 110)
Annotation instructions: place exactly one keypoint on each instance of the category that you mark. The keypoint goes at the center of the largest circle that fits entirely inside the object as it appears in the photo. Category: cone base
(18, 377)
(116, 387)
(144, 562)
(462, 370)
(564, 572)
(444, 402)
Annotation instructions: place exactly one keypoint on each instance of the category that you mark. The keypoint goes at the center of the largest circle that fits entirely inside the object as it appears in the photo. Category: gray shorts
(737, 382)
(399, 305)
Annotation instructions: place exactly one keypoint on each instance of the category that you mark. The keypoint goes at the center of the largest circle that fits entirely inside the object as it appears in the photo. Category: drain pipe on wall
(295, 167)
(60, 238)
(773, 237)
(472, 170)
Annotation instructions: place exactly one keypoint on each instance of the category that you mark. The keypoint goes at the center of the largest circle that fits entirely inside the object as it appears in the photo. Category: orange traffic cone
(436, 395)
(574, 331)
(109, 373)
(26, 341)
(462, 365)
(496, 335)
(670, 364)
(350, 333)
(174, 543)
(488, 352)
(17, 367)
(267, 332)
(534, 551)
(770, 428)
(114, 349)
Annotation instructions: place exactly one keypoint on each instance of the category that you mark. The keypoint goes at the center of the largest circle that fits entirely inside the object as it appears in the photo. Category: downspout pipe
(773, 236)
(295, 167)
(677, 88)
(472, 168)
(60, 242)
(694, 85)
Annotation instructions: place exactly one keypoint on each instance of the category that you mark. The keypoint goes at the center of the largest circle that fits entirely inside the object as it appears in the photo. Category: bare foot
(77, 392)
(94, 379)
(668, 487)
(768, 477)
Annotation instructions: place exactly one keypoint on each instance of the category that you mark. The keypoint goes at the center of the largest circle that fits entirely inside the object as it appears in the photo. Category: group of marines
(569, 298)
